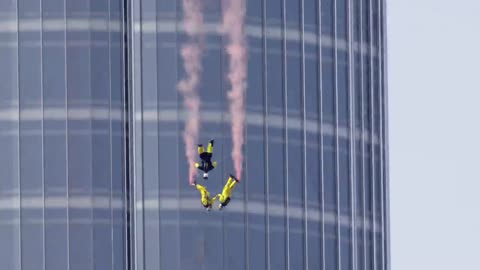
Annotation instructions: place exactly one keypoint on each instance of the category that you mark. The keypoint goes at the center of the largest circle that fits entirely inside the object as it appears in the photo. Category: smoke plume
(191, 53)
(233, 28)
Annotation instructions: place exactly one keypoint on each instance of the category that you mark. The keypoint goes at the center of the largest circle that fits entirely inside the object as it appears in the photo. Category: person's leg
(229, 190)
(225, 189)
(232, 178)
(201, 188)
(232, 184)
(222, 205)
(210, 147)
(200, 149)
(204, 195)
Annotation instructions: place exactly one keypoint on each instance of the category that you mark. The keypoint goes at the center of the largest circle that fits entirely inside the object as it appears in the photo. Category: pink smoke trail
(192, 59)
(233, 28)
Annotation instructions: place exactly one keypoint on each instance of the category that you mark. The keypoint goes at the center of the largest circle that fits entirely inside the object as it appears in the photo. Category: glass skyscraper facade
(93, 173)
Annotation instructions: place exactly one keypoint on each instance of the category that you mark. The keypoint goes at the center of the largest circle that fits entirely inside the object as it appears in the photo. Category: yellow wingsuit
(226, 194)
(207, 202)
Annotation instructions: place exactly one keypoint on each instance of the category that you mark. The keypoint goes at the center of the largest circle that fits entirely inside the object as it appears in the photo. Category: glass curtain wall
(61, 163)
(90, 116)
(314, 188)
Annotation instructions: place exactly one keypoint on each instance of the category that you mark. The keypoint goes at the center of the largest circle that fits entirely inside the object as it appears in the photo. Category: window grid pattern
(314, 179)
(314, 193)
(61, 134)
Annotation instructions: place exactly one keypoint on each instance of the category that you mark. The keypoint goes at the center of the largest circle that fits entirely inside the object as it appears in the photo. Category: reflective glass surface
(93, 167)
(62, 180)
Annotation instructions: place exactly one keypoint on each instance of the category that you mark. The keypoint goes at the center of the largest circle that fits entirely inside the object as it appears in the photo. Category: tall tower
(93, 170)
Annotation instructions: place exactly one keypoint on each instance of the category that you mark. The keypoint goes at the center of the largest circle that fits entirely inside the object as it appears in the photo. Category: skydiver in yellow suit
(206, 163)
(207, 202)
(226, 194)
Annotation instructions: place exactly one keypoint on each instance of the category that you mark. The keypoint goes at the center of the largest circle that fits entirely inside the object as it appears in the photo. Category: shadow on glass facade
(83, 81)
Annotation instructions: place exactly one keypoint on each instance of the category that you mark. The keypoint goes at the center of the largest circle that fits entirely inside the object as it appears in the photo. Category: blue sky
(434, 109)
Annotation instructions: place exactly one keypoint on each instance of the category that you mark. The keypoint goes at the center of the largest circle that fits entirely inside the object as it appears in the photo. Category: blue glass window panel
(314, 240)
(346, 250)
(375, 23)
(234, 241)
(331, 247)
(343, 89)
(273, 12)
(327, 11)
(297, 247)
(311, 15)
(313, 180)
(167, 7)
(167, 69)
(344, 177)
(357, 91)
(328, 86)
(256, 169)
(357, 27)
(342, 19)
(32, 241)
(295, 168)
(360, 249)
(56, 239)
(102, 243)
(293, 13)
(81, 238)
(367, 93)
(378, 251)
(254, 91)
(257, 243)
(254, 11)
(369, 255)
(277, 246)
(312, 96)
(365, 21)
(330, 180)
(359, 180)
(169, 243)
(294, 80)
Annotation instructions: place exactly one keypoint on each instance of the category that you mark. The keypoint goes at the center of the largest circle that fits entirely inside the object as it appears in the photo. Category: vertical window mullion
(285, 131)
(381, 133)
(18, 141)
(351, 106)
(42, 124)
(337, 147)
(304, 135)
(320, 133)
(386, 140)
(372, 133)
(266, 141)
(67, 171)
(363, 136)
(110, 132)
